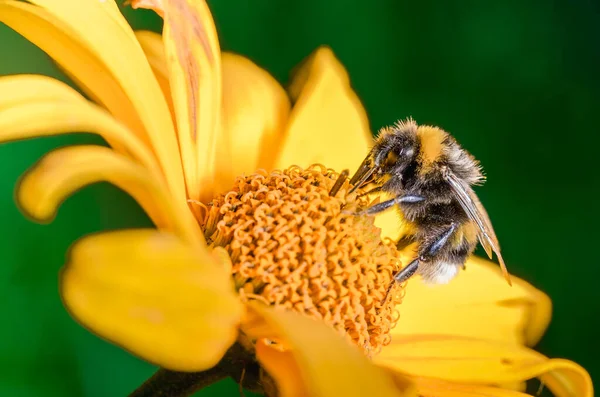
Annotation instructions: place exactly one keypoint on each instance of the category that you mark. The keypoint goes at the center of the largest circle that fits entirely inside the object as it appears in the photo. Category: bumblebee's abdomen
(427, 224)
(451, 257)
(461, 245)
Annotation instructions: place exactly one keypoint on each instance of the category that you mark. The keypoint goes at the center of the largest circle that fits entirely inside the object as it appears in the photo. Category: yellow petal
(64, 171)
(153, 295)
(155, 5)
(565, 378)
(33, 106)
(61, 43)
(389, 224)
(193, 61)
(478, 361)
(21, 88)
(283, 367)
(319, 359)
(478, 303)
(438, 388)
(255, 110)
(93, 42)
(153, 47)
(328, 124)
(36, 119)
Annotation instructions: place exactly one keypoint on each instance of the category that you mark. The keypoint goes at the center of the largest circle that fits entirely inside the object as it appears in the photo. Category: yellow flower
(183, 120)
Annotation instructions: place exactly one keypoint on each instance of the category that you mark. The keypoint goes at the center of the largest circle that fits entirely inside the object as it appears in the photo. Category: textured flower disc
(293, 245)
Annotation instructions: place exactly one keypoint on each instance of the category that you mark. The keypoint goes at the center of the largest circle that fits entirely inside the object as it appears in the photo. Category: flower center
(295, 245)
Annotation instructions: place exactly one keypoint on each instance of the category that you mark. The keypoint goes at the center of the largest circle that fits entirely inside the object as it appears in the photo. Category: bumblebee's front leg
(384, 205)
(427, 254)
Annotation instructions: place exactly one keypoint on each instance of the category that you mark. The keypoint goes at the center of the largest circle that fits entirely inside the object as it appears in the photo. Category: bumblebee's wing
(472, 206)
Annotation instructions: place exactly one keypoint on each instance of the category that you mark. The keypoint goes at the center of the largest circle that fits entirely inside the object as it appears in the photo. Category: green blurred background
(515, 82)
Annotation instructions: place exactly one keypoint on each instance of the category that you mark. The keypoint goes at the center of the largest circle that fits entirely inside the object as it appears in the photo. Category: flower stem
(237, 364)
(171, 383)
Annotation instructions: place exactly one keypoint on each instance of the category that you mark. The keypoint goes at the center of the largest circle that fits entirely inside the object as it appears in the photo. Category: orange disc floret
(294, 245)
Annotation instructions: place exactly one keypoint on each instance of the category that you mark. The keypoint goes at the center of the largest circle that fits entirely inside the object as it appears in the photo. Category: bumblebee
(429, 177)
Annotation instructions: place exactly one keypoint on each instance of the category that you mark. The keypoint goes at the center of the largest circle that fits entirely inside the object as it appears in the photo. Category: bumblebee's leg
(430, 251)
(384, 205)
(439, 242)
(407, 271)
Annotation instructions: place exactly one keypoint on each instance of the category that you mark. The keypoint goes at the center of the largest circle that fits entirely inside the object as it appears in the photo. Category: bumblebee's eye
(391, 159)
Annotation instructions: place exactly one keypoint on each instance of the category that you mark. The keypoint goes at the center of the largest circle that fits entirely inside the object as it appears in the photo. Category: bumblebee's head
(396, 148)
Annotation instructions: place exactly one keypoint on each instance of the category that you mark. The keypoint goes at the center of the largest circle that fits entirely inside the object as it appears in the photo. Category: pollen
(294, 245)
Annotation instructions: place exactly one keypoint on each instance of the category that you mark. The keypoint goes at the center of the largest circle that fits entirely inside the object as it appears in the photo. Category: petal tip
(151, 294)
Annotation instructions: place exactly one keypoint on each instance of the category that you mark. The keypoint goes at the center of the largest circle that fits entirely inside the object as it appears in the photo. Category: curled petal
(153, 295)
(194, 64)
(155, 5)
(283, 367)
(36, 119)
(320, 362)
(328, 124)
(61, 43)
(152, 44)
(92, 41)
(477, 361)
(64, 171)
(255, 110)
(478, 303)
(23, 88)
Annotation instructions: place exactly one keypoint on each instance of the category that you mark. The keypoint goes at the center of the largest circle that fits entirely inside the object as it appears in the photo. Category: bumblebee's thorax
(424, 176)
(432, 142)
